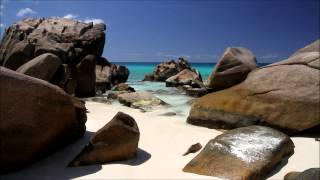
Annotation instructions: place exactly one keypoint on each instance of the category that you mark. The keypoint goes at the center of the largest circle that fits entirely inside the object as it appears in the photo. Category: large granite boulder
(184, 77)
(232, 68)
(117, 140)
(42, 67)
(284, 95)
(85, 76)
(69, 39)
(36, 118)
(244, 153)
(140, 100)
(309, 174)
(167, 69)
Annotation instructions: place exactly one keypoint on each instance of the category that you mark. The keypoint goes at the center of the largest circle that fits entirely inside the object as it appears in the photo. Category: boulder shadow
(141, 157)
(278, 167)
(55, 167)
(313, 132)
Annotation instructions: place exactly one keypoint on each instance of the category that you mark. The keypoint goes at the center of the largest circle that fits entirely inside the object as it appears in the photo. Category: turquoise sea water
(139, 69)
(177, 100)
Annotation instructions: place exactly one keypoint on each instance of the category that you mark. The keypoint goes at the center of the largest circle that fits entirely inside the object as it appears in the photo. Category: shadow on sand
(313, 132)
(55, 167)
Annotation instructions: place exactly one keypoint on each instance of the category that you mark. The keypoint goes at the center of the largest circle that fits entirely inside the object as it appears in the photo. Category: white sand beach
(163, 140)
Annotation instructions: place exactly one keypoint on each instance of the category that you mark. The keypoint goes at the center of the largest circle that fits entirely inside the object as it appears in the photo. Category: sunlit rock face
(76, 45)
(243, 153)
(117, 140)
(232, 68)
(284, 95)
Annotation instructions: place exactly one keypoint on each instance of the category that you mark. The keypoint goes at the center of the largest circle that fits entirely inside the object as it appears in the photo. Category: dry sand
(163, 140)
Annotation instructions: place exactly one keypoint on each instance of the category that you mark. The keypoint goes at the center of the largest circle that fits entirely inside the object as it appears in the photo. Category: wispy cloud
(70, 16)
(1, 10)
(168, 55)
(25, 11)
(93, 20)
(206, 56)
(270, 56)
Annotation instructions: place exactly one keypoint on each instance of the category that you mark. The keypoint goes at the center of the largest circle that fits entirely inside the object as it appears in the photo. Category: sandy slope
(163, 140)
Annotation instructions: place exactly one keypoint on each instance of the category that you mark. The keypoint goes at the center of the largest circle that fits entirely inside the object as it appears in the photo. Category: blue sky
(197, 29)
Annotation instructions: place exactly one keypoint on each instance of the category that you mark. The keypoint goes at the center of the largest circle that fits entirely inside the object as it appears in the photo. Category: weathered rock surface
(309, 174)
(243, 153)
(42, 67)
(120, 89)
(232, 68)
(108, 75)
(78, 45)
(123, 87)
(193, 149)
(117, 140)
(167, 69)
(141, 99)
(36, 118)
(284, 95)
(184, 77)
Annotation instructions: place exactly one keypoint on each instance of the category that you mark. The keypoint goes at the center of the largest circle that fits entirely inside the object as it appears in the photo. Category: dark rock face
(167, 69)
(309, 174)
(284, 95)
(232, 68)
(196, 92)
(123, 87)
(42, 67)
(243, 153)
(169, 114)
(36, 118)
(86, 77)
(148, 77)
(141, 99)
(117, 140)
(193, 149)
(110, 74)
(73, 42)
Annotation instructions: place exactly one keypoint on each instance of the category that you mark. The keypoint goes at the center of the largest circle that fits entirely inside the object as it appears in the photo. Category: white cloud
(270, 56)
(93, 20)
(1, 9)
(166, 55)
(70, 16)
(25, 11)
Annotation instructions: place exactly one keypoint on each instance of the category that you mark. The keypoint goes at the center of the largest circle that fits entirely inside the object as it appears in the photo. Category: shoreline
(162, 142)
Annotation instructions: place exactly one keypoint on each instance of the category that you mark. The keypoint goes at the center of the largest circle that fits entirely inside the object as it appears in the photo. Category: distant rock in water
(77, 45)
(140, 100)
(120, 89)
(184, 77)
(232, 68)
(167, 69)
(36, 118)
(243, 153)
(309, 174)
(284, 95)
(117, 140)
